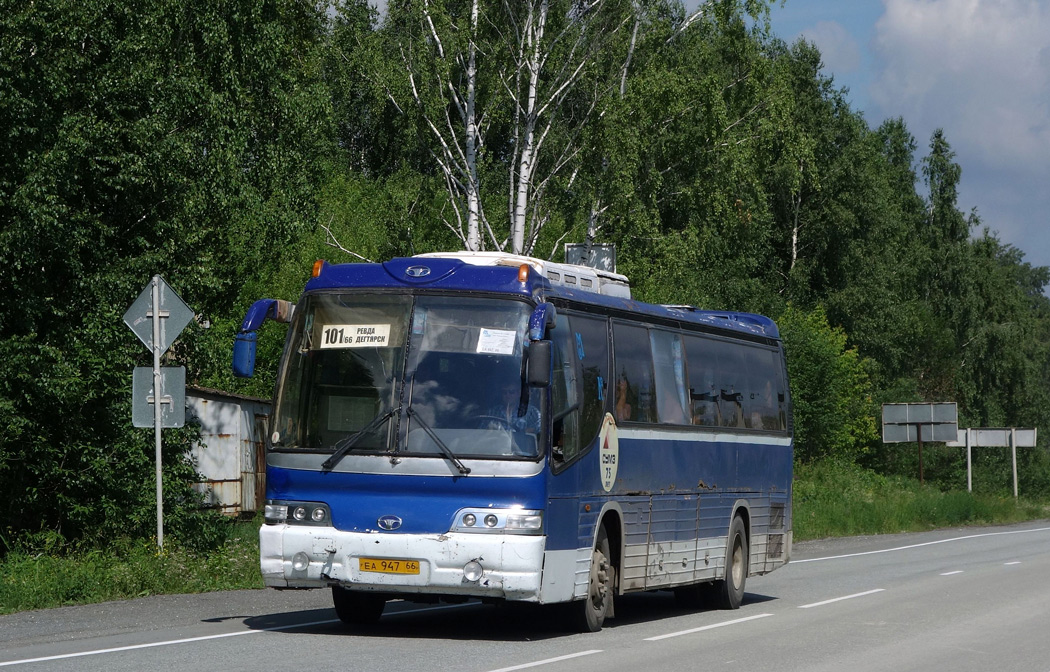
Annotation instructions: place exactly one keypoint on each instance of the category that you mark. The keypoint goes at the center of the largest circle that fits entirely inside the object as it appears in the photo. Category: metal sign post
(156, 410)
(922, 478)
(157, 317)
(1013, 457)
(994, 437)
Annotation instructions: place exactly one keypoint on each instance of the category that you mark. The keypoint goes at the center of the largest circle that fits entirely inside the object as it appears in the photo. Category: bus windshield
(424, 375)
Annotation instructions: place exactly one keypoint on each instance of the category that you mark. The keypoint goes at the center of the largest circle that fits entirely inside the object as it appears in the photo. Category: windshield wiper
(343, 447)
(445, 450)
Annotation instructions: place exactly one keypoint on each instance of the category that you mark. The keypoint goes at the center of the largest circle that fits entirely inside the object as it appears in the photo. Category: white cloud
(978, 68)
(839, 50)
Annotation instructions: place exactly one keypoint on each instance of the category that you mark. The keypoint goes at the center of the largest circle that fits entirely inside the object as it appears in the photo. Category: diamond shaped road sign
(174, 313)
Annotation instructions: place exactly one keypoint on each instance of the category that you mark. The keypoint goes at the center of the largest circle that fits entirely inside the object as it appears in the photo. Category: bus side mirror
(244, 354)
(540, 360)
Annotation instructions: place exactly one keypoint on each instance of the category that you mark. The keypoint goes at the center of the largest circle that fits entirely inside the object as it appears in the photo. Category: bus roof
(501, 273)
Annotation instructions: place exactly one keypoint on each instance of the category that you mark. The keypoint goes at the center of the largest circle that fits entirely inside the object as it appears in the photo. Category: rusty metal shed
(231, 454)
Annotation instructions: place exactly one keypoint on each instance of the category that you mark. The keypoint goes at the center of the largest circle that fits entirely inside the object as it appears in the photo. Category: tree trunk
(534, 31)
(473, 241)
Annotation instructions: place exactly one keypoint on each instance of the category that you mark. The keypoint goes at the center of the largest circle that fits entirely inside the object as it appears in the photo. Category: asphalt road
(959, 600)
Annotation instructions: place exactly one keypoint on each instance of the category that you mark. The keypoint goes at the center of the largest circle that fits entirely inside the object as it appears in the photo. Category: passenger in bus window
(623, 408)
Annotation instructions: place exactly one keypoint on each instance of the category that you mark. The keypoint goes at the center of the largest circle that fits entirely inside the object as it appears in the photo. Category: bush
(831, 391)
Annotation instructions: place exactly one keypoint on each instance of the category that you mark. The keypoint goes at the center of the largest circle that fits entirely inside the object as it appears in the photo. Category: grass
(833, 499)
(830, 499)
(127, 569)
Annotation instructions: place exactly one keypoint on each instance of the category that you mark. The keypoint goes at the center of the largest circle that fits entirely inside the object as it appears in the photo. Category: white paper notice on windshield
(496, 342)
(355, 336)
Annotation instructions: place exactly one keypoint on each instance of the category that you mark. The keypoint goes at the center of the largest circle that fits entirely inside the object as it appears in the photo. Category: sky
(978, 69)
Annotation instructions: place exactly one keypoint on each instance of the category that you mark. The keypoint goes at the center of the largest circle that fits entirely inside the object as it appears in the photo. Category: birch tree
(498, 88)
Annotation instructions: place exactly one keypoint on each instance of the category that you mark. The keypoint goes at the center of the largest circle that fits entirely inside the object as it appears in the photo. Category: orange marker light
(523, 273)
(318, 265)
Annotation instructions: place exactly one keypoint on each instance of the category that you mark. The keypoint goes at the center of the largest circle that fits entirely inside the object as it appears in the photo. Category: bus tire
(729, 592)
(357, 608)
(592, 611)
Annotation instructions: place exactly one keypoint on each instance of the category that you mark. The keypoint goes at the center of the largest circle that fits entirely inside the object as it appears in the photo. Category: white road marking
(928, 543)
(958, 571)
(547, 661)
(203, 638)
(1015, 562)
(844, 597)
(706, 627)
(169, 642)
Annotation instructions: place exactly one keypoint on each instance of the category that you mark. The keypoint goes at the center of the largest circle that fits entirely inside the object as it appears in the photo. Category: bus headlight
(526, 523)
(275, 513)
(297, 513)
(498, 521)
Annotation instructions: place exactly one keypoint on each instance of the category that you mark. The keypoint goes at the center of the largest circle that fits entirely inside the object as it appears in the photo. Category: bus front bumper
(511, 565)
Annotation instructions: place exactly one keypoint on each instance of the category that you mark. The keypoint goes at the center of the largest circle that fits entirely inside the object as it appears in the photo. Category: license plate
(388, 565)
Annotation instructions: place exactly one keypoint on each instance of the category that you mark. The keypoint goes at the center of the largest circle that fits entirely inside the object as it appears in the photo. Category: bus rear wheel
(592, 611)
(357, 608)
(729, 592)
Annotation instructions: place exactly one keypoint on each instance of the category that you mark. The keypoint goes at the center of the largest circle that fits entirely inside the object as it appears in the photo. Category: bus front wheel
(730, 591)
(357, 608)
(593, 610)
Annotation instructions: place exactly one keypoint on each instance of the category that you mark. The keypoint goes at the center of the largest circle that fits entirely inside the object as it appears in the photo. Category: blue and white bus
(482, 425)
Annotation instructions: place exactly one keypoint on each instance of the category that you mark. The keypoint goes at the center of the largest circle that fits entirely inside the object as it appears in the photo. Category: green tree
(831, 391)
(167, 137)
(672, 159)
(877, 297)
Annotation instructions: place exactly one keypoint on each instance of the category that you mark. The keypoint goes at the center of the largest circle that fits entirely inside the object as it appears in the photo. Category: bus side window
(565, 435)
(762, 375)
(782, 394)
(634, 374)
(731, 380)
(591, 345)
(703, 390)
(669, 370)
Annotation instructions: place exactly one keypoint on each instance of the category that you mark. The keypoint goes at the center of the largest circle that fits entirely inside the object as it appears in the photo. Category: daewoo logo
(389, 522)
(417, 271)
